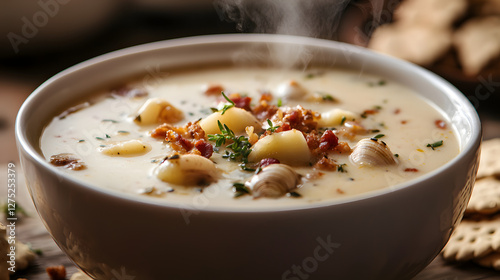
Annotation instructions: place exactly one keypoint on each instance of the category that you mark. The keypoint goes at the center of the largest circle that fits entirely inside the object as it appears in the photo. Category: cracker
(489, 164)
(477, 42)
(473, 240)
(491, 260)
(433, 13)
(485, 197)
(418, 44)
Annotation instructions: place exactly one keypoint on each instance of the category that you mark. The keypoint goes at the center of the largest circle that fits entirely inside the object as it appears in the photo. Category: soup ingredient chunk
(158, 110)
(274, 180)
(187, 170)
(68, 161)
(372, 152)
(289, 147)
(126, 148)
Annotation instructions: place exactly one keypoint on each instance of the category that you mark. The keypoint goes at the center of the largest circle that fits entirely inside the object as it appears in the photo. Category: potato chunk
(289, 147)
(236, 119)
(158, 110)
(334, 117)
(126, 148)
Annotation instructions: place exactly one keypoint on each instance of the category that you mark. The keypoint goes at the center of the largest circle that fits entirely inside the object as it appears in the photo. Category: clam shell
(372, 152)
(274, 180)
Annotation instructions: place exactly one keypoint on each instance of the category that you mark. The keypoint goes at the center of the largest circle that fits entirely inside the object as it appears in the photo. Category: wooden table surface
(19, 77)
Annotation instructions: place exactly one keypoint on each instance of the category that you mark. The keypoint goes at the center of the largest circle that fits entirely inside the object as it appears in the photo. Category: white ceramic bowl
(388, 234)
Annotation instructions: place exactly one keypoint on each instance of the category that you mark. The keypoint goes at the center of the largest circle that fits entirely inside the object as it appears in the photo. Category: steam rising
(313, 18)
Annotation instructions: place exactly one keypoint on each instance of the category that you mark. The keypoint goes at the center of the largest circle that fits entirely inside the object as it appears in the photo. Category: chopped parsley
(280, 102)
(110, 120)
(435, 144)
(295, 194)
(340, 168)
(378, 136)
(343, 120)
(240, 190)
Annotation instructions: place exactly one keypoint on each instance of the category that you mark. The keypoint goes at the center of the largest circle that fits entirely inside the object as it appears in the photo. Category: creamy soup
(251, 137)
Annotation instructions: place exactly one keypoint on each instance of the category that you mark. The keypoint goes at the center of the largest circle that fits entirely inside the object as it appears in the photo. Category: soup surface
(226, 137)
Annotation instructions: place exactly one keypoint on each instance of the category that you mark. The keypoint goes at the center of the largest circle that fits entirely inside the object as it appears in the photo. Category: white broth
(110, 138)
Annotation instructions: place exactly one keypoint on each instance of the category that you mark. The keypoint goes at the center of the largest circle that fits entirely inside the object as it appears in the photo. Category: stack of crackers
(477, 237)
(429, 32)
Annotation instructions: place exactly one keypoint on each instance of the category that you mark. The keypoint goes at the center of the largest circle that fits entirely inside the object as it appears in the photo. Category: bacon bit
(56, 272)
(128, 91)
(266, 96)
(397, 111)
(68, 161)
(328, 141)
(440, 124)
(339, 191)
(242, 102)
(404, 122)
(264, 111)
(161, 131)
(411, 170)
(369, 112)
(326, 163)
(214, 89)
(342, 148)
(298, 118)
(312, 140)
(205, 148)
(189, 131)
(189, 138)
(268, 161)
(178, 142)
(252, 136)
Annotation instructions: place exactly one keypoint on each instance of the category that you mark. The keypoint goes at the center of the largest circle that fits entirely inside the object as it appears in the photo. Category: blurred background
(40, 38)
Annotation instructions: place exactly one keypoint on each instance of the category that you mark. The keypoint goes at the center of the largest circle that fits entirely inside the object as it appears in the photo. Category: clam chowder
(251, 137)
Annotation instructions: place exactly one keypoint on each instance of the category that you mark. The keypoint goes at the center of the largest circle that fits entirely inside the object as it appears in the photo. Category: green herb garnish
(110, 120)
(378, 136)
(328, 97)
(271, 128)
(226, 106)
(435, 144)
(343, 120)
(240, 190)
(100, 138)
(239, 148)
(340, 168)
(280, 102)
(295, 194)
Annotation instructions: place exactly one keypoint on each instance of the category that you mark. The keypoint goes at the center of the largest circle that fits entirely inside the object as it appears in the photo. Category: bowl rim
(440, 83)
